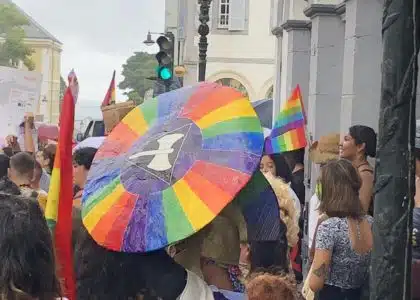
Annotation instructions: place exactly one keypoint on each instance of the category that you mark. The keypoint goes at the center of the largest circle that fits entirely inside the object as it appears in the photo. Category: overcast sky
(97, 35)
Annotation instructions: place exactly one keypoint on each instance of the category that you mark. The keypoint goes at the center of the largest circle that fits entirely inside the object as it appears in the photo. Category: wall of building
(247, 55)
(47, 59)
(257, 78)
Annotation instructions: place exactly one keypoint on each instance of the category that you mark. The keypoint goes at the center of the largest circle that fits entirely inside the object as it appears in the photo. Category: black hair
(295, 157)
(8, 151)
(84, 156)
(4, 165)
(37, 171)
(364, 134)
(28, 269)
(23, 163)
(109, 275)
(49, 153)
(282, 168)
(269, 255)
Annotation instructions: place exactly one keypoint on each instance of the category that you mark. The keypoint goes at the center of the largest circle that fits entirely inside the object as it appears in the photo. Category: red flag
(58, 211)
(110, 94)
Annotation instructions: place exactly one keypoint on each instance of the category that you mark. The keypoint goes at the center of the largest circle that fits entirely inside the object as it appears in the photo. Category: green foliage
(133, 95)
(12, 48)
(135, 71)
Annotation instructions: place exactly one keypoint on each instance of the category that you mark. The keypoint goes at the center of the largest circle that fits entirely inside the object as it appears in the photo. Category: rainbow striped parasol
(170, 166)
(261, 210)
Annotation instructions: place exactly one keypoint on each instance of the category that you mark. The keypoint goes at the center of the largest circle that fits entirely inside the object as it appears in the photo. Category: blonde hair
(287, 208)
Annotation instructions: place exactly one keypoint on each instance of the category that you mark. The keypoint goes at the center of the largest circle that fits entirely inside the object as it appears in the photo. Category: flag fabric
(58, 211)
(291, 116)
(288, 132)
(291, 140)
(110, 94)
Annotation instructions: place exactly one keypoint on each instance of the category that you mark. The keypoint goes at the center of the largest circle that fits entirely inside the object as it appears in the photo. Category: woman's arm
(321, 219)
(366, 190)
(320, 267)
(325, 237)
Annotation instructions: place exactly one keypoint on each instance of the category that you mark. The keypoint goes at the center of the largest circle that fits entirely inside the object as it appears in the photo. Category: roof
(34, 30)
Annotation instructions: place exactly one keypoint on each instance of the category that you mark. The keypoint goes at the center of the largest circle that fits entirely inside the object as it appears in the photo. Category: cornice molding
(296, 24)
(314, 10)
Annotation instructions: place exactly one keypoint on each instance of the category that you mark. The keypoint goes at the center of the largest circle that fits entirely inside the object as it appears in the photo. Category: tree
(135, 71)
(12, 48)
(133, 95)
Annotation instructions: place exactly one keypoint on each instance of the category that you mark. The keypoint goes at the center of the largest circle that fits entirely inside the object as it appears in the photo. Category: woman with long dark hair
(357, 146)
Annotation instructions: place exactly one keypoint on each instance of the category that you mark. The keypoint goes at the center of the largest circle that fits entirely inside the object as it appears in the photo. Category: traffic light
(165, 58)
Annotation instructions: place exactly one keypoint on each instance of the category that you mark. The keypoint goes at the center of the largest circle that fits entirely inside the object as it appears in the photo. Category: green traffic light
(165, 73)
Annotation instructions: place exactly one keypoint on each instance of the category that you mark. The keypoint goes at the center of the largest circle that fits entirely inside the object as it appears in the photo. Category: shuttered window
(224, 13)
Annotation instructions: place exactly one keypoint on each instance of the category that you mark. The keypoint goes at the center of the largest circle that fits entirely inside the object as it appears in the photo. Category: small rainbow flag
(110, 94)
(58, 211)
(288, 133)
(291, 116)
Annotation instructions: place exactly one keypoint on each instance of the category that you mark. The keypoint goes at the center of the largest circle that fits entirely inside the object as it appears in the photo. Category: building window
(224, 10)
(234, 84)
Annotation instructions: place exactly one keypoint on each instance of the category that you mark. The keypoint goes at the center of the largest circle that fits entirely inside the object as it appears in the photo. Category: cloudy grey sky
(98, 36)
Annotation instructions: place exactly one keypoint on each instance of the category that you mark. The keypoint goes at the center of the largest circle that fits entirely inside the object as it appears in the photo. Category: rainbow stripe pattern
(144, 193)
(288, 133)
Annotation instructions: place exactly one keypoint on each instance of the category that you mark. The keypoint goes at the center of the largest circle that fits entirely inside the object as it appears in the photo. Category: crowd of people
(219, 261)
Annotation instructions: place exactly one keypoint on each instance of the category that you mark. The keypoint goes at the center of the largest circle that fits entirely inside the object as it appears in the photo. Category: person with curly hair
(266, 286)
(287, 208)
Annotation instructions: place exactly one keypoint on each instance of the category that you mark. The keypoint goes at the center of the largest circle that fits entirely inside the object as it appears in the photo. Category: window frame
(226, 14)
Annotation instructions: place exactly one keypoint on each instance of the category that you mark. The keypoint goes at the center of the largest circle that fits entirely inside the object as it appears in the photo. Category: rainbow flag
(288, 132)
(110, 94)
(291, 116)
(58, 211)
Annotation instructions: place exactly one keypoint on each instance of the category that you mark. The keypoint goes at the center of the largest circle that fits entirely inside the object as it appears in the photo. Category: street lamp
(203, 31)
(149, 41)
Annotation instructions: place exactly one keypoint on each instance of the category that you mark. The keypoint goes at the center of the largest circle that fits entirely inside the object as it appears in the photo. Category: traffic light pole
(203, 30)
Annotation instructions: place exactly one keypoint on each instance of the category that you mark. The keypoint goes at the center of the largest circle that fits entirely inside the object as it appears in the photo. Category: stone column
(326, 69)
(361, 92)
(295, 58)
(278, 32)
(325, 78)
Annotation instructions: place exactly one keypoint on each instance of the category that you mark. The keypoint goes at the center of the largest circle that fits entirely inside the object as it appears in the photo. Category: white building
(241, 50)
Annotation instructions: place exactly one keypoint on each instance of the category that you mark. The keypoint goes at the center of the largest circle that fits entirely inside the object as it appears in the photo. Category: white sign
(19, 94)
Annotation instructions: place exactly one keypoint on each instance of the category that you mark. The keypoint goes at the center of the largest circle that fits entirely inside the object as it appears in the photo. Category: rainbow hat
(170, 166)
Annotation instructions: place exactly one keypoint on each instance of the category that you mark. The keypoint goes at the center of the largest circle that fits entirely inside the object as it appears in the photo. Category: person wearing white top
(320, 152)
(196, 288)
(313, 216)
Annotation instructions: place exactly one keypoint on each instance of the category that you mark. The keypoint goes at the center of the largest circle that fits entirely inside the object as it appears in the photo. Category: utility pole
(203, 30)
(395, 186)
